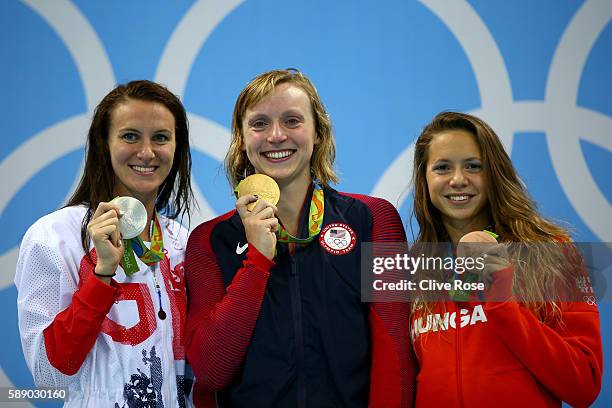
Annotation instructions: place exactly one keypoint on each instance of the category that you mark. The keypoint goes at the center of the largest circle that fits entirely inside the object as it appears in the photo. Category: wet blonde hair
(237, 164)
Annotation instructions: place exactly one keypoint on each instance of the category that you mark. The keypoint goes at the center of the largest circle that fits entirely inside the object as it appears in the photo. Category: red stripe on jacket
(393, 375)
(220, 322)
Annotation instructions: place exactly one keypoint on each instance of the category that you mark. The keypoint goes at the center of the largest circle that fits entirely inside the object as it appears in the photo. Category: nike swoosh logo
(241, 249)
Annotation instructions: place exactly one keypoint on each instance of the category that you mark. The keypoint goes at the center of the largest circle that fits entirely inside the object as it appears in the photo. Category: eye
(292, 122)
(473, 166)
(130, 137)
(161, 138)
(258, 124)
(441, 167)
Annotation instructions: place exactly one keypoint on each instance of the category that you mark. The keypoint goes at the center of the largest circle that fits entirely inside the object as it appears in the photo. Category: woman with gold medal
(275, 314)
(101, 297)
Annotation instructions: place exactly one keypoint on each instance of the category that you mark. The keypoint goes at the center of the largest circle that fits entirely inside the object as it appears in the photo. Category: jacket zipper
(298, 330)
(458, 353)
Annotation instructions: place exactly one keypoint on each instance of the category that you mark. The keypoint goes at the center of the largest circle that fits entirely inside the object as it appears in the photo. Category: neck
(291, 200)
(456, 229)
(146, 233)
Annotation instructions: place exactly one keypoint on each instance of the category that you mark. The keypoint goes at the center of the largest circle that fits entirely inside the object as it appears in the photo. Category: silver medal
(133, 216)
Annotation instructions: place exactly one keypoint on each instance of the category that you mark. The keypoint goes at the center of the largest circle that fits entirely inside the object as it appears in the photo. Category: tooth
(278, 155)
(459, 197)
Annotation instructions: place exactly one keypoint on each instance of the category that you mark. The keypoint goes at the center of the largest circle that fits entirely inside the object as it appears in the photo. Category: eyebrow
(293, 112)
(445, 160)
(288, 112)
(129, 129)
(469, 158)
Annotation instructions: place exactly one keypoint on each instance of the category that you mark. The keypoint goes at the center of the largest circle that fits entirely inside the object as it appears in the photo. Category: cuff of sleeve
(257, 259)
(500, 291)
(97, 294)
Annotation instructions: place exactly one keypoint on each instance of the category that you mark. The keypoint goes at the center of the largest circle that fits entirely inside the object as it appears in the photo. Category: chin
(463, 216)
(143, 192)
(277, 175)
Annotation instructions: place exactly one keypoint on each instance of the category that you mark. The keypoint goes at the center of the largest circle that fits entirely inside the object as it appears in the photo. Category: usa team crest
(338, 238)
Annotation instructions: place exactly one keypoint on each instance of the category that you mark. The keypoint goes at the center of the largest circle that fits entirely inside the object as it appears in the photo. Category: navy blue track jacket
(294, 332)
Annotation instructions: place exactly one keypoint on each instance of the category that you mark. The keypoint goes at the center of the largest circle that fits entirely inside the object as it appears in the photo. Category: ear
(317, 139)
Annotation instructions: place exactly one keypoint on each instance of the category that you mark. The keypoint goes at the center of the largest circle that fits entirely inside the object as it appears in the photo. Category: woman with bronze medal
(101, 297)
(529, 336)
(275, 314)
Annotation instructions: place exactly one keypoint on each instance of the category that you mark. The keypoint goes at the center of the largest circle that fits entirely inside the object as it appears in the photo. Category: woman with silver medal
(101, 294)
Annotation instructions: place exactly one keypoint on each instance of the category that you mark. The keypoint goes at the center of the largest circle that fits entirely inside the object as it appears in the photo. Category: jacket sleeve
(58, 324)
(564, 355)
(220, 321)
(393, 370)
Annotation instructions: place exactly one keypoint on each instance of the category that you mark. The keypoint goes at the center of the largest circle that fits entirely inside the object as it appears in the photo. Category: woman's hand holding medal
(258, 215)
(106, 236)
(496, 273)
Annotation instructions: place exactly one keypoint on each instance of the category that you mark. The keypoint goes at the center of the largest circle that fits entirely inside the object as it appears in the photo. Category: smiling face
(142, 143)
(456, 182)
(279, 135)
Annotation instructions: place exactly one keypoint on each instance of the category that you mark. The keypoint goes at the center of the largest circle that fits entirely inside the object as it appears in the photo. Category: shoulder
(61, 226)
(379, 208)
(385, 220)
(205, 230)
(51, 244)
(369, 201)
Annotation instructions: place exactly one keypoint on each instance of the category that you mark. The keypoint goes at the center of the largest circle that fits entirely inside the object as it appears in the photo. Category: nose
(458, 179)
(277, 135)
(146, 153)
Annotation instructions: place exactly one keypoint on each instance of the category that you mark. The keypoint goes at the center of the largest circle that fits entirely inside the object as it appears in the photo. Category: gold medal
(260, 185)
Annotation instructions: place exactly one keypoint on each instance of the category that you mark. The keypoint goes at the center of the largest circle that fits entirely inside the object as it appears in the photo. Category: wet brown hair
(97, 184)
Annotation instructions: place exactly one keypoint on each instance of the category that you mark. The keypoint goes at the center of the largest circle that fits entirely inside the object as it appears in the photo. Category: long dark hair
(175, 196)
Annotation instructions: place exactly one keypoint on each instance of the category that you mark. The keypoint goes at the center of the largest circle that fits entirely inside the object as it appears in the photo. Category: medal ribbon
(315, 219)
(136, 246)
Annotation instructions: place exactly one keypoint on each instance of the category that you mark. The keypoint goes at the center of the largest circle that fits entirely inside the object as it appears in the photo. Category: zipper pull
(293, 266)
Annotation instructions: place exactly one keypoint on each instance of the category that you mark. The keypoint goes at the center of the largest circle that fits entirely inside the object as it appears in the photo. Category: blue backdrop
(537, 71)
